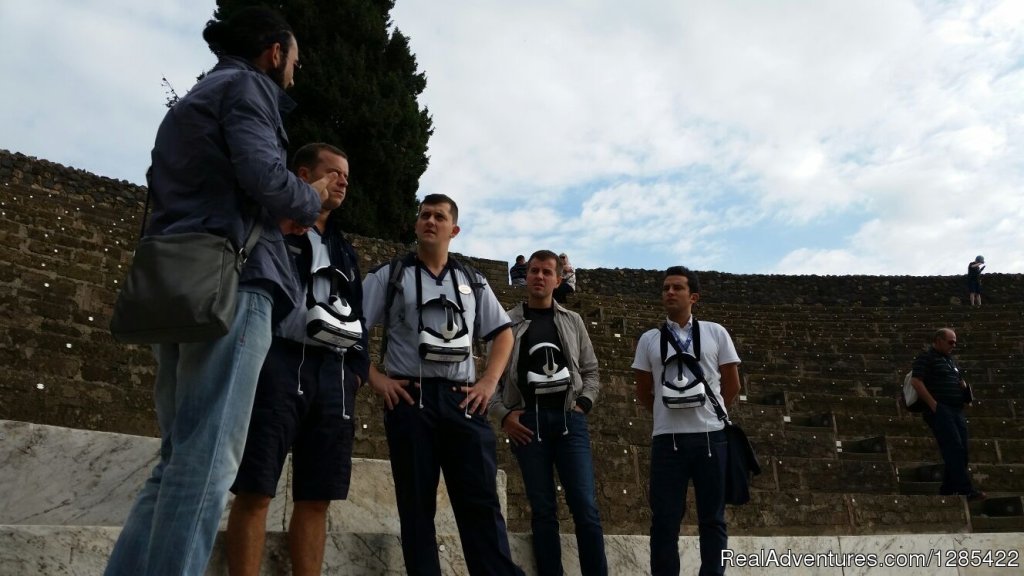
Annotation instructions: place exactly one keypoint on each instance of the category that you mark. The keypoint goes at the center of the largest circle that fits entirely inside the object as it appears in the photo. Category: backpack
(908, 398)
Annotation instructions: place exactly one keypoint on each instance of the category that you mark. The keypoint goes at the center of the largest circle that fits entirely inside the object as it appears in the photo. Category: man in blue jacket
(219, 163)
(305, 399)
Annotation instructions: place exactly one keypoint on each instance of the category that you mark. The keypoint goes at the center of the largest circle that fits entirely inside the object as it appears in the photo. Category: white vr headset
(452, 342)
(553, 380)
(677, 394)
(333, 323)
(680, 392)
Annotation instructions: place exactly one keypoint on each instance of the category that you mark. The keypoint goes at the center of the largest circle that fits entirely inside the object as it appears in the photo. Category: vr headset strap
(450, 270)
(335, 278)
(670, 339)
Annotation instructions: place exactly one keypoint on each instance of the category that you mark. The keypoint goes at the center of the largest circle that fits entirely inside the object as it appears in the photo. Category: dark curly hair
(248, 32)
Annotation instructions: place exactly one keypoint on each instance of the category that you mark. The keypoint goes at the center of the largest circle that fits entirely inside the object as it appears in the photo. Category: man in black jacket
(938, 382)
(305, 399)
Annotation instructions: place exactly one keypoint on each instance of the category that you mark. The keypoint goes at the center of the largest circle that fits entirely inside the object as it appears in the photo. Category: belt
(430, 380)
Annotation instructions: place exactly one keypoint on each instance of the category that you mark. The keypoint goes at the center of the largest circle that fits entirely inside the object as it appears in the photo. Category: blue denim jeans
(675, 460)
(561, 440)
(204, 395)
(950, 429)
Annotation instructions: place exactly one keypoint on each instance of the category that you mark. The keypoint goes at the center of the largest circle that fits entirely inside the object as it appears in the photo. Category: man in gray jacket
(542, 402)
(218, 166)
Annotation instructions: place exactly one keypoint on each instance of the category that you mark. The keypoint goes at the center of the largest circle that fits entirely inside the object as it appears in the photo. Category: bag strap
(719, 411)
(145, 211)
(395, 269)
(251, 240)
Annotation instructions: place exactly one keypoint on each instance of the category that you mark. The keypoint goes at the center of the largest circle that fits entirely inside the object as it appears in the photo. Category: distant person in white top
(688, 439)
(568, 284)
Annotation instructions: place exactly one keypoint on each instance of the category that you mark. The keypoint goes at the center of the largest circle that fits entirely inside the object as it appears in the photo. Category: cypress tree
(358, 90)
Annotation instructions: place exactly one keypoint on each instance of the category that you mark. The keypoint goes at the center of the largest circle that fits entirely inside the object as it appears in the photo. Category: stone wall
(65, 243)
(763, 289)
(66, 238)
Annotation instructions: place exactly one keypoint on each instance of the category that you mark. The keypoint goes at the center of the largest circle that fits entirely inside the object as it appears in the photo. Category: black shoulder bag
(741, 461)
(180, 287)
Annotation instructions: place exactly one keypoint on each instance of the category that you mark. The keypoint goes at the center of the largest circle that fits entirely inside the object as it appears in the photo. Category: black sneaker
(975, 495)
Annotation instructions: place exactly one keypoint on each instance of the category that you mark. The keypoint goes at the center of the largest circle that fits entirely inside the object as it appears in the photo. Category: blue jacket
(220, 158)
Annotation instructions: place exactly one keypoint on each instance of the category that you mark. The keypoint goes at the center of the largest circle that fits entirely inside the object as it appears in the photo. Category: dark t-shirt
(517, 273)
(941, 377)
(542, 330)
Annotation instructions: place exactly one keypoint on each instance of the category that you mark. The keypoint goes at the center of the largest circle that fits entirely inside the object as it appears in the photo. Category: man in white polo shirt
(682, 369)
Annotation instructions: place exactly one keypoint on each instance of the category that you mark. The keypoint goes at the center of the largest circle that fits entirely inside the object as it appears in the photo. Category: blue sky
(793, 137)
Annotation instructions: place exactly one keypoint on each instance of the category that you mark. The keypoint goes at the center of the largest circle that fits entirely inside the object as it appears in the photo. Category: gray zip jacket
(578, 351)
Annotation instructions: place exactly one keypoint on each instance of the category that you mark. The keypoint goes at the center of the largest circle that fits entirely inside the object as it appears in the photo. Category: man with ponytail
(219, 167)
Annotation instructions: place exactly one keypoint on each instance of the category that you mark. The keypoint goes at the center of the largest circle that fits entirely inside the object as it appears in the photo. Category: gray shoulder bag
(180, 287)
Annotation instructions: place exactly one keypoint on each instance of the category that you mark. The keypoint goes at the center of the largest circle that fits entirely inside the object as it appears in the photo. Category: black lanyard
(419, 292)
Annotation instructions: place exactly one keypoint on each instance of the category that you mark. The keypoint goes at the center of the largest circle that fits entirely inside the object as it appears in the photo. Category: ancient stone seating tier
(823, 360)
(820, 404)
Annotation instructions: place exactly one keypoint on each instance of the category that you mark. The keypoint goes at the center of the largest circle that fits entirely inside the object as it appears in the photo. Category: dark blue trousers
(950, 429)
(423, 442)
(675, 460)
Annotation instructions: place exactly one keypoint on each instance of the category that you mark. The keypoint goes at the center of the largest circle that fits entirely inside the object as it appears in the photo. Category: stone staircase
(67, 491)
(819, 402)
(822, 360)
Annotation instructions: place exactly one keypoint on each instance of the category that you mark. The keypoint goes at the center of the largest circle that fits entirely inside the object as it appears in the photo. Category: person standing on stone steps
(974, 280)
(219, 164)
(941, 386)
(305, 398)
(688, 440)
(517, 272)
(568, 284)
(432, 308)
(542, 402)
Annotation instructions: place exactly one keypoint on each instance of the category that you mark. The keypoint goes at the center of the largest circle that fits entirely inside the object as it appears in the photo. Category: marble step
(61, 476)
(83, 551)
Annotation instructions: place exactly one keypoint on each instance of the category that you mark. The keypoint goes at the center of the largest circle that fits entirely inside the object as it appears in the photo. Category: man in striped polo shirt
(938, 382)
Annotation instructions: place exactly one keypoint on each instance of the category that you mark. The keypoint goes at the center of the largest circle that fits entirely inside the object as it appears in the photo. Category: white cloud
(880, 136)
(87, 90)
(886, 114)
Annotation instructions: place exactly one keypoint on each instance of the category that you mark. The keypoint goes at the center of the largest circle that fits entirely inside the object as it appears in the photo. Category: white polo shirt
(716, 349)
